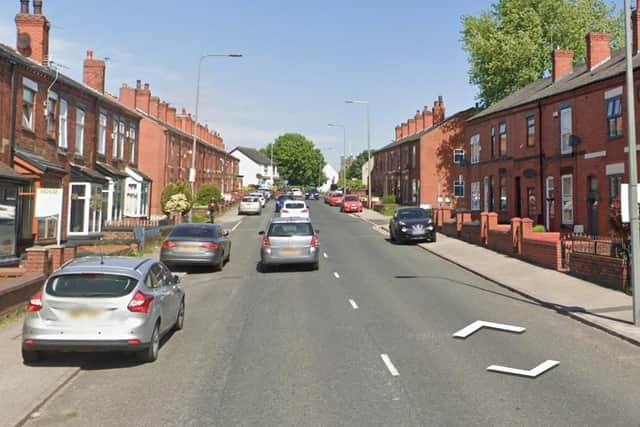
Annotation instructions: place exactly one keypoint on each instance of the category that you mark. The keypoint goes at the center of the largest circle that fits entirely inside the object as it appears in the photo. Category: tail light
(168, 245)
(141, 303)
(209, 245)
(266, 243)
(314, 241)
(304, 210)
(284, 210)
(35, 303)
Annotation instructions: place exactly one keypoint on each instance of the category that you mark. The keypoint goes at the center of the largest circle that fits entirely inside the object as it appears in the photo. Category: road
(364, 341)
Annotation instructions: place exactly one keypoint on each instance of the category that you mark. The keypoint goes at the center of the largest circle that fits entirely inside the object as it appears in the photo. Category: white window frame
(475, 148)
(566, 130)
(81, 115)
(456, 152)
(567, 199)
(132, 142)
(29, 122)
(102, 133)
(458, 184)
(122, 135)
(52, 104)
(63, 124)
(475, 196)
(114, 137)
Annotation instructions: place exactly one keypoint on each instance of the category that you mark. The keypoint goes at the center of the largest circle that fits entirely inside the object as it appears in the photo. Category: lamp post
(344, 149)
(351, 101)
(192, 171)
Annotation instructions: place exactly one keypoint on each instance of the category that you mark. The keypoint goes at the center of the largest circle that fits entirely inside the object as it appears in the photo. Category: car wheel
(434, 238)
(264, 268)
(180, 318)
(29, 356)
(220, 264)
(315, 266)
(392, 236)
(150, 354)
(229, 254)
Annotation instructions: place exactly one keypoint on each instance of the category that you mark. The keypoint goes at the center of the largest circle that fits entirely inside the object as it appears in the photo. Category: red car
(335, 199)
(351, 203)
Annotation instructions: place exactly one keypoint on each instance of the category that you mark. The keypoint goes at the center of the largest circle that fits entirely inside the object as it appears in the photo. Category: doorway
(518, 198)
(592, 205)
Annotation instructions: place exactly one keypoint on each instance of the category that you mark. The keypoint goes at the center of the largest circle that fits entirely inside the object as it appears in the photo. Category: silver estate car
(104, 304)
(196, 244)
(250, 205)
(289, 241)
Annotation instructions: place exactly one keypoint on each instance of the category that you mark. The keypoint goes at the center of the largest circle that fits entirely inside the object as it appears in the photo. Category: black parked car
(312, 193)
(411, 225)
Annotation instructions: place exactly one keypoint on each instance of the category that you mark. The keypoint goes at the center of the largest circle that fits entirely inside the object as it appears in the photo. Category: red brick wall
(606, 271)
(501, 240)
(449, 229)
(543, 252)
(471, 233)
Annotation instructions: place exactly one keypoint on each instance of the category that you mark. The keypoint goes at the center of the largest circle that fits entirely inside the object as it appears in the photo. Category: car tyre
(30, 356)
(220, 265)
(315, 266)
(150, 354)
(264, 268)
(180, 318)
(392, 236)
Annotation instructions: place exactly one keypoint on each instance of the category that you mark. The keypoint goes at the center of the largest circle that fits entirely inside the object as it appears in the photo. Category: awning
(137, 175)
(110, 171)
(6, 173)
(39, 162)
(84, 174)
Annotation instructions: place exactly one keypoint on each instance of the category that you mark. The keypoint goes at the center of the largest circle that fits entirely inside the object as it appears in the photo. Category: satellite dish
(24, 41)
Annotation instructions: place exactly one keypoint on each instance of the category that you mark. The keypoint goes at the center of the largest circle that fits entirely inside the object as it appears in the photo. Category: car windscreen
(250, 199)
(194, 231)
(412, 214)
(352, 198)
(90, 285)
(290, 229)
(290, 205)
(287, 197)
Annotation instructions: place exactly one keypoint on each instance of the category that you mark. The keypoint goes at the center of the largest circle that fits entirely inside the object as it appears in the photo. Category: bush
(173, 189)
(389, 200)
(199, 219)
(539, 229)
(207, 192)
(389, 210)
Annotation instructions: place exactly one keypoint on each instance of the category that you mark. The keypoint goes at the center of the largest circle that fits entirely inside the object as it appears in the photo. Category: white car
(297, 192)
(250, 204)
(294, 208)
(259, 195)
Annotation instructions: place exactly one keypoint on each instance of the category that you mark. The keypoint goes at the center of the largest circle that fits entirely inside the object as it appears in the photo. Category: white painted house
(253, 164)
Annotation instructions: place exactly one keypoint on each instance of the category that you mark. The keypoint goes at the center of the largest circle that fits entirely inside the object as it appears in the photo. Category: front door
(549, 204)
(518, 196)
(486, 194)
(592, 205)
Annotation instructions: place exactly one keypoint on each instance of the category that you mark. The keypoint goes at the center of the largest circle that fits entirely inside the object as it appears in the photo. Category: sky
(301, 60)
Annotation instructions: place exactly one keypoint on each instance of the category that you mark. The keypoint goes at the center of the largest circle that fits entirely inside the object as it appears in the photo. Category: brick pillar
(70, 253)
(57, 256)
(492, 223)
(527, 227)
(516, 234)
(38, 260)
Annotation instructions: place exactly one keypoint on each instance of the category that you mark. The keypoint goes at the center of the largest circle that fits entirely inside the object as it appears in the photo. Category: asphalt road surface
(364, 341)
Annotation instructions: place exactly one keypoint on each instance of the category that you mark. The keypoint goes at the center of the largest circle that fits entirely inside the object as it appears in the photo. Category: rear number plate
(83, 312)
(289, 251)
(188, 249)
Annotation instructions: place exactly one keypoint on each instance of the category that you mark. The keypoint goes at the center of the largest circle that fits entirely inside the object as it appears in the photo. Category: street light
(344, 149)
(192, 171)
(352, 101)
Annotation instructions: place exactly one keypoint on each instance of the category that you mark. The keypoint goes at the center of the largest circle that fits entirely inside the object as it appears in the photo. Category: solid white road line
(353, 304)
(387, 361)
(335, 273)
(325, 255)
(236, 226)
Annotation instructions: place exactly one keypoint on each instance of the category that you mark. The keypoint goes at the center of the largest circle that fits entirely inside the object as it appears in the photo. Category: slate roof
(110, 170)
(545, 88)
(8, 173)
(38, 161)
(80, 173)
(255, 155)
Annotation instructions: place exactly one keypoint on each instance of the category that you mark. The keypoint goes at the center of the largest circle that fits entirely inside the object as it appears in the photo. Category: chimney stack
(127, 96)
(405, 129)
(427, 117)
(412, 126)
(636, 35)
(143, 96)
(561, 63)
(154, 106)
(398, 132)
(162, 111)
(598, 49)
(94, 72)
(33, 32)
(438, 111)
(171, 116)
(419, 121)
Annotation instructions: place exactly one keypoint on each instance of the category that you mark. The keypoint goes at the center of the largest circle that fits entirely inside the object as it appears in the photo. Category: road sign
(538, 370)
(479, 324)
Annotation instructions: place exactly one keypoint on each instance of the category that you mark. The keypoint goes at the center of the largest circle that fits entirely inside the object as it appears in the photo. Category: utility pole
(634, 221)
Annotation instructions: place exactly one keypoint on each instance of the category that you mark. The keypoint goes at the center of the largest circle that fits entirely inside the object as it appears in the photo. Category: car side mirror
(225, 233)
(176, 279)
(261, 233)
(317, 231)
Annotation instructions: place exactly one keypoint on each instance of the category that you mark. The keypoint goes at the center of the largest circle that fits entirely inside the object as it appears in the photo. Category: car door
(174, 294)
(162, 295)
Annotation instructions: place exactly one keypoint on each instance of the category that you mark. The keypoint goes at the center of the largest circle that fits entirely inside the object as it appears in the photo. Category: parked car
(296, 192)
(289, 241)
(281, 199)
(335, 199)
(250, 205)
(104, 304)
(312, 193)
(196, 244)
(260, 196)
(410, 225)
(294, 208)
(351, 203)
(268, 194)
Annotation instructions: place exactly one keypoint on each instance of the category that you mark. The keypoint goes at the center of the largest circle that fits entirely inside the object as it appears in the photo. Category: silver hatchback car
(289, 241)
(104, 304)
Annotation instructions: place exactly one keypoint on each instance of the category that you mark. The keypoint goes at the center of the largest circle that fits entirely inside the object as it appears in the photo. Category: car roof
(280, 220)
(131, 266)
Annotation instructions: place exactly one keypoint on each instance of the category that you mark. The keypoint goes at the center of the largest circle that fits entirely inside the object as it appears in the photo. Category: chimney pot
(138, 84)
(37, 7)
(146, 86)
(24, 7)
(89, 54)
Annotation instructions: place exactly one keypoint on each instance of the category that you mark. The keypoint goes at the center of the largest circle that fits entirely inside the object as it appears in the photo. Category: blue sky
(301, 60)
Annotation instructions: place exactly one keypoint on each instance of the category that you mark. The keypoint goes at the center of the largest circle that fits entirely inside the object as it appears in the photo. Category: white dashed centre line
(335, 273)
(236, 226)
(325, 255)
(353, 304)
(387, 361)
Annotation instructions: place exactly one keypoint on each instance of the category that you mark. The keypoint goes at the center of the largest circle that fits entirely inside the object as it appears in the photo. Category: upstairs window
(565, 131)
(102, 134)
(28, 103)
(132, 143)
(52, 103)
(475, 149)
(122, 136)
(80, 115)
(114, 138)
(458, 155)
(458, 187)
(614, 117)
(494, 148)
(63, 124)
(503, 139)
(531, 131)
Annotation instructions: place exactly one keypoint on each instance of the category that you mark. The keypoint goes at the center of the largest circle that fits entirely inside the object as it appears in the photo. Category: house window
(114, 138)
(531, 131)
(52, 102)
(63, 124)
(458, 187)
(458, 155)
(28, 102)
(77, 205)
(475, 149)
(80, 114)
(532, 205)
(567, 199)
(494, 149)
(503, 190)
(132, 143)
(413, 157)
(475, 196)
(121, 139)
(614, 116)
(102, 134)
(503, 139)
(615, 182)
(565, 131)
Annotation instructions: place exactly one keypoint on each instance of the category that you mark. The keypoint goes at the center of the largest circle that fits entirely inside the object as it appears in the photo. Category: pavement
(607, 309)
(364, 341)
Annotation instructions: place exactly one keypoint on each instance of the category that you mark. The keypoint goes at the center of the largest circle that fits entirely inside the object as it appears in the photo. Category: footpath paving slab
(595, 305)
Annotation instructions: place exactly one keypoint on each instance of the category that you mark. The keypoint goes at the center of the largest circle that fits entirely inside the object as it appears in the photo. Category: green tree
(207, 192)
(510, 45)
(299, 161)
(174, 188)
(355, 170)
